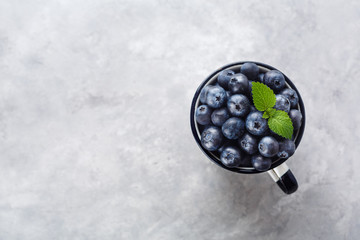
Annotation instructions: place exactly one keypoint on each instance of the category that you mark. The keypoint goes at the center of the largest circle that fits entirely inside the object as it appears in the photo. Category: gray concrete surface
(94, 119)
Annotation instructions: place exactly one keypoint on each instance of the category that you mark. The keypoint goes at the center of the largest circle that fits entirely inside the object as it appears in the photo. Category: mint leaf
(265, 115)
(271, 111)
(263, 96)
(281, 124)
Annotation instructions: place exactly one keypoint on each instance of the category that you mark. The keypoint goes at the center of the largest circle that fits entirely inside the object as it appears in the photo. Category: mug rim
(208, 153)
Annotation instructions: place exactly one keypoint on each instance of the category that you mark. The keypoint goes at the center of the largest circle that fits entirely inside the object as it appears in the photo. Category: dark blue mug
(279, 171)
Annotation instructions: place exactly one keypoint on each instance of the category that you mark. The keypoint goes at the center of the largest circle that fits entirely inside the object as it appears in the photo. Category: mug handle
(284, 178)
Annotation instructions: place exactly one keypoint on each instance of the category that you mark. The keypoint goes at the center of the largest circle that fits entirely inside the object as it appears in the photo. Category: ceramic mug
(279, 171)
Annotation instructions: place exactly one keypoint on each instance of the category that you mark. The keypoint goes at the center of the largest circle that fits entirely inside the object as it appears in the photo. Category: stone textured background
(95, 139)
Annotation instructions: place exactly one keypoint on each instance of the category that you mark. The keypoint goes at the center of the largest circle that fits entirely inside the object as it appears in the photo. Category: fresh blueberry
(238, 83)
(256, 124)
(204, 92)
(211, 138)
(238, 105)
(296, 118)
(224, 77)
(261, 77)
(233, 128)
(226, 143)
(249, 92)
(231, 157)
(275, 80)
(250, 70)
(228, 94)
(282, 103)
(203, 114)
(291, 95)
(261, 163)
(248, 143)
(219, 116)
(216, 97)
(268, 146)
(286, 149)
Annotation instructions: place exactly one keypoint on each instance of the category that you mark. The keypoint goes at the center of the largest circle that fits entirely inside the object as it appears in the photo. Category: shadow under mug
(279, 171)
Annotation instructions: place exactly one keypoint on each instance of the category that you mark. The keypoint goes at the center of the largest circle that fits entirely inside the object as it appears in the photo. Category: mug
(279, 171)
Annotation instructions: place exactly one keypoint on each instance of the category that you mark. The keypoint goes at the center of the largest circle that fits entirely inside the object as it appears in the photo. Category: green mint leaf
(271, 111)
(265, 115)
(281, 124)
(263, 96)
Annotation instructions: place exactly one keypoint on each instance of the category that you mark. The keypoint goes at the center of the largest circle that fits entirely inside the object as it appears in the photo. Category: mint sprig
(264, 101)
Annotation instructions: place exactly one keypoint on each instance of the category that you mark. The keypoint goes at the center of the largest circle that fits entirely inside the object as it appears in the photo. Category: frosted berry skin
(282, 103)
(233, 128)
(261, 77)
(268, 146)
(203, 115)
(274, 80)
(204, 92)
(231, 157)
(238, 105)
(238, 83)
(224, 78)
(219, 116)
(291, 95)
(286, 149)
(250, 70)
(261, 163)
(296, 118)
(216, 97)
(248, 143)
(256, 124)
(211, 138)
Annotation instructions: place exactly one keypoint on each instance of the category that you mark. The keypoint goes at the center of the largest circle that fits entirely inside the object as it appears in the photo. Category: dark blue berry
(204, 92)
(252, 108)
(261, 163)
(211, 138)
(261, 77)
(256, 124)
(296, 118)
(282, 103)
(291, 95)
(216, 97)
(248, 143)
(219, 116)
(203, 115)
(238, 105)
(268, 146)
(245, 160)
(238, 83)
(231, 157)
(250, 70)
(275, 80)
(233, 128)
(286, 149)
(224, 77)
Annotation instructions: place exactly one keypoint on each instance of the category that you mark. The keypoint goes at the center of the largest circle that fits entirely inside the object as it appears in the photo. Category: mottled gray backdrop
(95, 140)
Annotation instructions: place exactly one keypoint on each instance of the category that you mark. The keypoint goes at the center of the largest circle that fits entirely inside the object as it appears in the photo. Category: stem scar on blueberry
(238, 107)
(202, 109)
(256, 125)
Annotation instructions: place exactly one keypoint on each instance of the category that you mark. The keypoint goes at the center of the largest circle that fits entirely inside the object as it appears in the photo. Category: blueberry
(275, 80)
(219, 116)
(286, 149)
(224, 77)
(268, 146)
(211, 138)
(249, 92)
(282, 103)
(238, 83)
(245, 160)
(261, 77)
(261, 163)
(228, 94)
(250, 70)
(226, 143)
(238, 105)
(248, 143)
(231, 157)
(216, 97)
(204, 92)
(233, 128)
(291, 95)
(203, 114)
(296, 118)
(256, 124)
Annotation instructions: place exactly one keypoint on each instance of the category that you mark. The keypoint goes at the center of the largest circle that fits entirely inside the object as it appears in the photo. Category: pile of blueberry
(234, 130)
